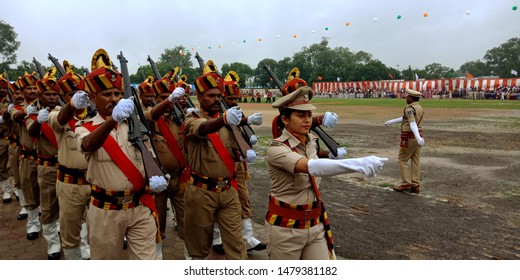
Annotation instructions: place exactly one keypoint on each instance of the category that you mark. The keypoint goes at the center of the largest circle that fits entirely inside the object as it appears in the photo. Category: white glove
(123, 110)
(9, 107)
(369, 166)
(330, 120)
(415, 130)
(158, 184)
(251, 156)
(79, 100)
(253, 139)
(342, 152)
(43, 116)
(176, 94)
(31, 110)
(233, 116)
(192, 110)
(255, 119)
(390, 122)
(1, 120)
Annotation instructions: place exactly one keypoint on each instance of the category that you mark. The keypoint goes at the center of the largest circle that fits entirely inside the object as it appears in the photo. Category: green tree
(8, 45)
(244, 71)
(476, 68)
(503, 58)
(436, 71)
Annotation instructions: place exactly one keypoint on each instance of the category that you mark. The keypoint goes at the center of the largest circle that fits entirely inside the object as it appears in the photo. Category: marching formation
(93, 163)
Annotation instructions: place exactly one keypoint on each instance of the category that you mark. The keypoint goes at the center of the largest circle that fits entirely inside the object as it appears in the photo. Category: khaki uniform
(4, 146)
(409, 148)
(285, 242)
(107, 228)
(204, 207)
(28, 167)
(71, 187)
(170, 164)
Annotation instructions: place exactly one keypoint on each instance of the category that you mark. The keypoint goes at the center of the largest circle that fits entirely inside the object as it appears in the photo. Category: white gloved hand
(192, 110)
(369, 166)
(9, 107)
(43, 116)
(176, 94)
(79, 100)
(123, 110)
(342, 152)
(233, 116)
(1, 120)
(255, 119)
(31, 110)
(158, 184)
(415, 130)
(330, 120)
(390, 122)
(251, 156)
(253, 139)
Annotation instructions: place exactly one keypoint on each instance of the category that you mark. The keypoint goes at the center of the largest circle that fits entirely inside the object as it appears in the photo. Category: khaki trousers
(14, 163)
(4, 158)
(297, 244)
(49, 206)
(73, 200)
(202, 209)
(107, 229)
(29, 182)
(411, 152)
(176, 197)
(243, 191)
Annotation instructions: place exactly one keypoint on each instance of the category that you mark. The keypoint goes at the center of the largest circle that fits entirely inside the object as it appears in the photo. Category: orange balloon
(219, 46)
(425, 14)
(347, 24)
(294, 36)
(259, 39)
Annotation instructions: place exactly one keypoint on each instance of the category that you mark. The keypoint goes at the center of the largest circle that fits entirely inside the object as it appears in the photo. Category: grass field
(426, 103)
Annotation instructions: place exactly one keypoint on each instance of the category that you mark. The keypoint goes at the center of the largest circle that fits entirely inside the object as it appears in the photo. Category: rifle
(135, 127)
(329, 142)
(39, 68)
(178, 113)
(243, 145)
(91, 107)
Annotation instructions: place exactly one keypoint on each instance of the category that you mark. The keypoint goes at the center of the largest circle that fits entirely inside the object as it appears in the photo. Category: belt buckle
(124, 199)
(307, 214)
(222, 184)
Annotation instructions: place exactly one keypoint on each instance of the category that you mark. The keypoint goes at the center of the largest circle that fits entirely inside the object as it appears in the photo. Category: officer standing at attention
(411, 142)
(296, 221)
(121, 200)
(211, 194)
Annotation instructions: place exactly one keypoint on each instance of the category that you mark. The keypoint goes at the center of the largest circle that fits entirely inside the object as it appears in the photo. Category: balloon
(294, 36)
(515, 8)
(209, 47)
(399, 17)
(232, 43)
(259, 39)
(192, 49)
(219, 46)
(375, 19)
(468, 12)
(313, 31)
(244, 41)
(347, 24)
(277, 36)
(425, 14)
(326, 28)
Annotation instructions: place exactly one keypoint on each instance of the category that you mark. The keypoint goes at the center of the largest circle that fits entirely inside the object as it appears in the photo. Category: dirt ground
(469, 205)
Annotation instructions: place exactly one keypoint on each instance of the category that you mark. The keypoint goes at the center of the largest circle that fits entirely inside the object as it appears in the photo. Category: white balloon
(277, 36)
(313, 31)
(375, 19)
(468, 12)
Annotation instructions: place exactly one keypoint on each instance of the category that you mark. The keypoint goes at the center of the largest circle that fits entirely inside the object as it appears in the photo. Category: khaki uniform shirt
(412, 113)
(3, 127)
(202, 156)
(43, 145)
(25, 139)
(101, 170)
(68, 154)
(167, 159)
(287, 186)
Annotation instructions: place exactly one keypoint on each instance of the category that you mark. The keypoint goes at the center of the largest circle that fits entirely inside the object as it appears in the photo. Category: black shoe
(260, 247)
(219, 249)
(125, 245)
(33, 235)
(7, 200)
(22, 217)
(54, 256)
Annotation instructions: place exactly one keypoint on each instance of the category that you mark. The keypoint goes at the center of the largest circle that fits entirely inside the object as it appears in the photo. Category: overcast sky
(452, 33)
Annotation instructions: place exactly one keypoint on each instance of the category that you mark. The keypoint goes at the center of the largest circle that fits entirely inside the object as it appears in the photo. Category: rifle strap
(48, 132)
(120, 159)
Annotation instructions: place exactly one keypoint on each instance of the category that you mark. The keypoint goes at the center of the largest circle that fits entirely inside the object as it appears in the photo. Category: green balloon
(515, 8)
(399, 17)
(326, 28)
(244, 41)
(209, 47)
